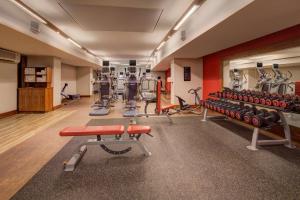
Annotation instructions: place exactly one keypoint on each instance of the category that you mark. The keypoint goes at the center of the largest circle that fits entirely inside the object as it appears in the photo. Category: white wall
(56, 81)
(68, 75)
(8, 87)
(84, 81)
(180, 87)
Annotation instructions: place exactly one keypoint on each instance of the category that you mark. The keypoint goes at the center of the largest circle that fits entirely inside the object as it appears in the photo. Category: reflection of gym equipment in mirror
(238, 79)
(265, 79)
(281, 83)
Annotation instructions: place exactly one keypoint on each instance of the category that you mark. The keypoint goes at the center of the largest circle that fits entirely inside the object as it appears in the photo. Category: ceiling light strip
(28, 11)
(75, 43)
(186, 16)
(161, 45)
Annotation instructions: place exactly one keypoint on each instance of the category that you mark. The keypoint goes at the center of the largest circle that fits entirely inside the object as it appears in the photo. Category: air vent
(9, 56)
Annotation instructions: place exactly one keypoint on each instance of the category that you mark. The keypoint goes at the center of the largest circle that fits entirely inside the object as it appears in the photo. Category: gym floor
(191, 160)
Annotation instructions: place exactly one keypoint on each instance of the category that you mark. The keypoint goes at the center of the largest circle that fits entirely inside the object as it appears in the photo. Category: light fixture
(161, 45)
(17, 3)
(186, 16)
(75, 43)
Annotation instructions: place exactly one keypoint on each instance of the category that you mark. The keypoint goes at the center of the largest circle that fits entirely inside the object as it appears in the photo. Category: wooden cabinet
(35, 99)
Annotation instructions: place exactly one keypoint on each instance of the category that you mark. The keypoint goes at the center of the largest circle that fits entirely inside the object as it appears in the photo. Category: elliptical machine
(281, 83)
(148, 90)
(237, 79)
(102, 107)
(265, 80)
(114, 83)
(131, 93)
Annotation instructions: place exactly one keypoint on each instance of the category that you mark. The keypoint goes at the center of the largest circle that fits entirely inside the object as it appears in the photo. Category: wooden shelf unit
(37, 77)
(36, 93)
(35, 99)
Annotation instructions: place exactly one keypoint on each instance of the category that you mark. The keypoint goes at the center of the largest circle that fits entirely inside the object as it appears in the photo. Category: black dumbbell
(238, 109)
(230, 108)
(249, 115)
(240, 113)
(264, 119)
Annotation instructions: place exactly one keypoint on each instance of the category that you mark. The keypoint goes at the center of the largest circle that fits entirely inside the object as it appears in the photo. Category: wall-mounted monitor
(275, 66)
(105, 63)
(132, 62)
(259, 64)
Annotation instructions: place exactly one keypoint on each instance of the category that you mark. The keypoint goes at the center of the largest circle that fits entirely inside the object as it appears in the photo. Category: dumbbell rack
(255, 142)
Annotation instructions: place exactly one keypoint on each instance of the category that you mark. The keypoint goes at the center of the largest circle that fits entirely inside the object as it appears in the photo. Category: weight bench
(134, 132)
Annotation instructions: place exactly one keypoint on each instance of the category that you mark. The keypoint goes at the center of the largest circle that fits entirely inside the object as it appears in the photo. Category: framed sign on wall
(187, 73)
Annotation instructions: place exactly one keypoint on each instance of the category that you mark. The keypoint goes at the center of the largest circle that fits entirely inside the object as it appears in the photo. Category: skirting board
(57, 107)
(7, 114)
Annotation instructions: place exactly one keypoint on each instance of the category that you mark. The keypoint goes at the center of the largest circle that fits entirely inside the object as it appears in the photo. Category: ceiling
(260, 18)
(114, 29)
(20, 42)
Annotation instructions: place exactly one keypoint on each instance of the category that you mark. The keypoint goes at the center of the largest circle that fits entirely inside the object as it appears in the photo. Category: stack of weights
(287, 102)
(259, 118)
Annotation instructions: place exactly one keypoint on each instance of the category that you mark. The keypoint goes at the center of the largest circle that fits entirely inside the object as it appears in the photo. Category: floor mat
(190, 160)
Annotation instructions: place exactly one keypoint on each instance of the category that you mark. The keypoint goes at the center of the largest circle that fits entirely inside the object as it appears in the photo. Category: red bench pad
(168, 107)
(138, 129)
(92, 130)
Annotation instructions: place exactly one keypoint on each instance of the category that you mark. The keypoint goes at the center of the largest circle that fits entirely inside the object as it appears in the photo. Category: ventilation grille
(9, 56)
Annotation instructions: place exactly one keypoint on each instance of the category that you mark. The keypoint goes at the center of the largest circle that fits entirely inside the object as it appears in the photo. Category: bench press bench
(134, 132)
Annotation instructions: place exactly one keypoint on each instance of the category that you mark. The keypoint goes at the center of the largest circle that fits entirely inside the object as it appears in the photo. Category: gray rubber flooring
(190, 160)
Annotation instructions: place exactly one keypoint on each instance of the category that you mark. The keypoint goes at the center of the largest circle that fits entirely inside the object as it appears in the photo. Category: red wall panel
(212, 64)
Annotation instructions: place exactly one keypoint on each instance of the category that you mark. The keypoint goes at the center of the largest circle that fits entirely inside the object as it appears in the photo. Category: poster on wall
(187, 73)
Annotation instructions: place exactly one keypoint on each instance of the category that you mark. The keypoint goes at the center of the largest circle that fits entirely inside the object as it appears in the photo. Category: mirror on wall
(274, 72)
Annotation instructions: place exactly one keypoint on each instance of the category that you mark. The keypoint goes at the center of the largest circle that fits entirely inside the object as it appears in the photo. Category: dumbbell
(236, 96)
(230, 108)
(217, 105)
(240, 108)
(249, 115)
(265, 118)
(239, 114)
(290, 102)
(274, 98)
(223, 108)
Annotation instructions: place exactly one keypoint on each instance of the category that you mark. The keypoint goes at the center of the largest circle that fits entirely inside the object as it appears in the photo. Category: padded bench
(92, 130)
(134, 133)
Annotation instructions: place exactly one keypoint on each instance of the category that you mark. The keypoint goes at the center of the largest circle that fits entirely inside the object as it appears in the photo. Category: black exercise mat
(190, 160)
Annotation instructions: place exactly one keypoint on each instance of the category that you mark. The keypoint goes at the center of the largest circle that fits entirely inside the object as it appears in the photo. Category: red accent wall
(212, 64)
(168, 85)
